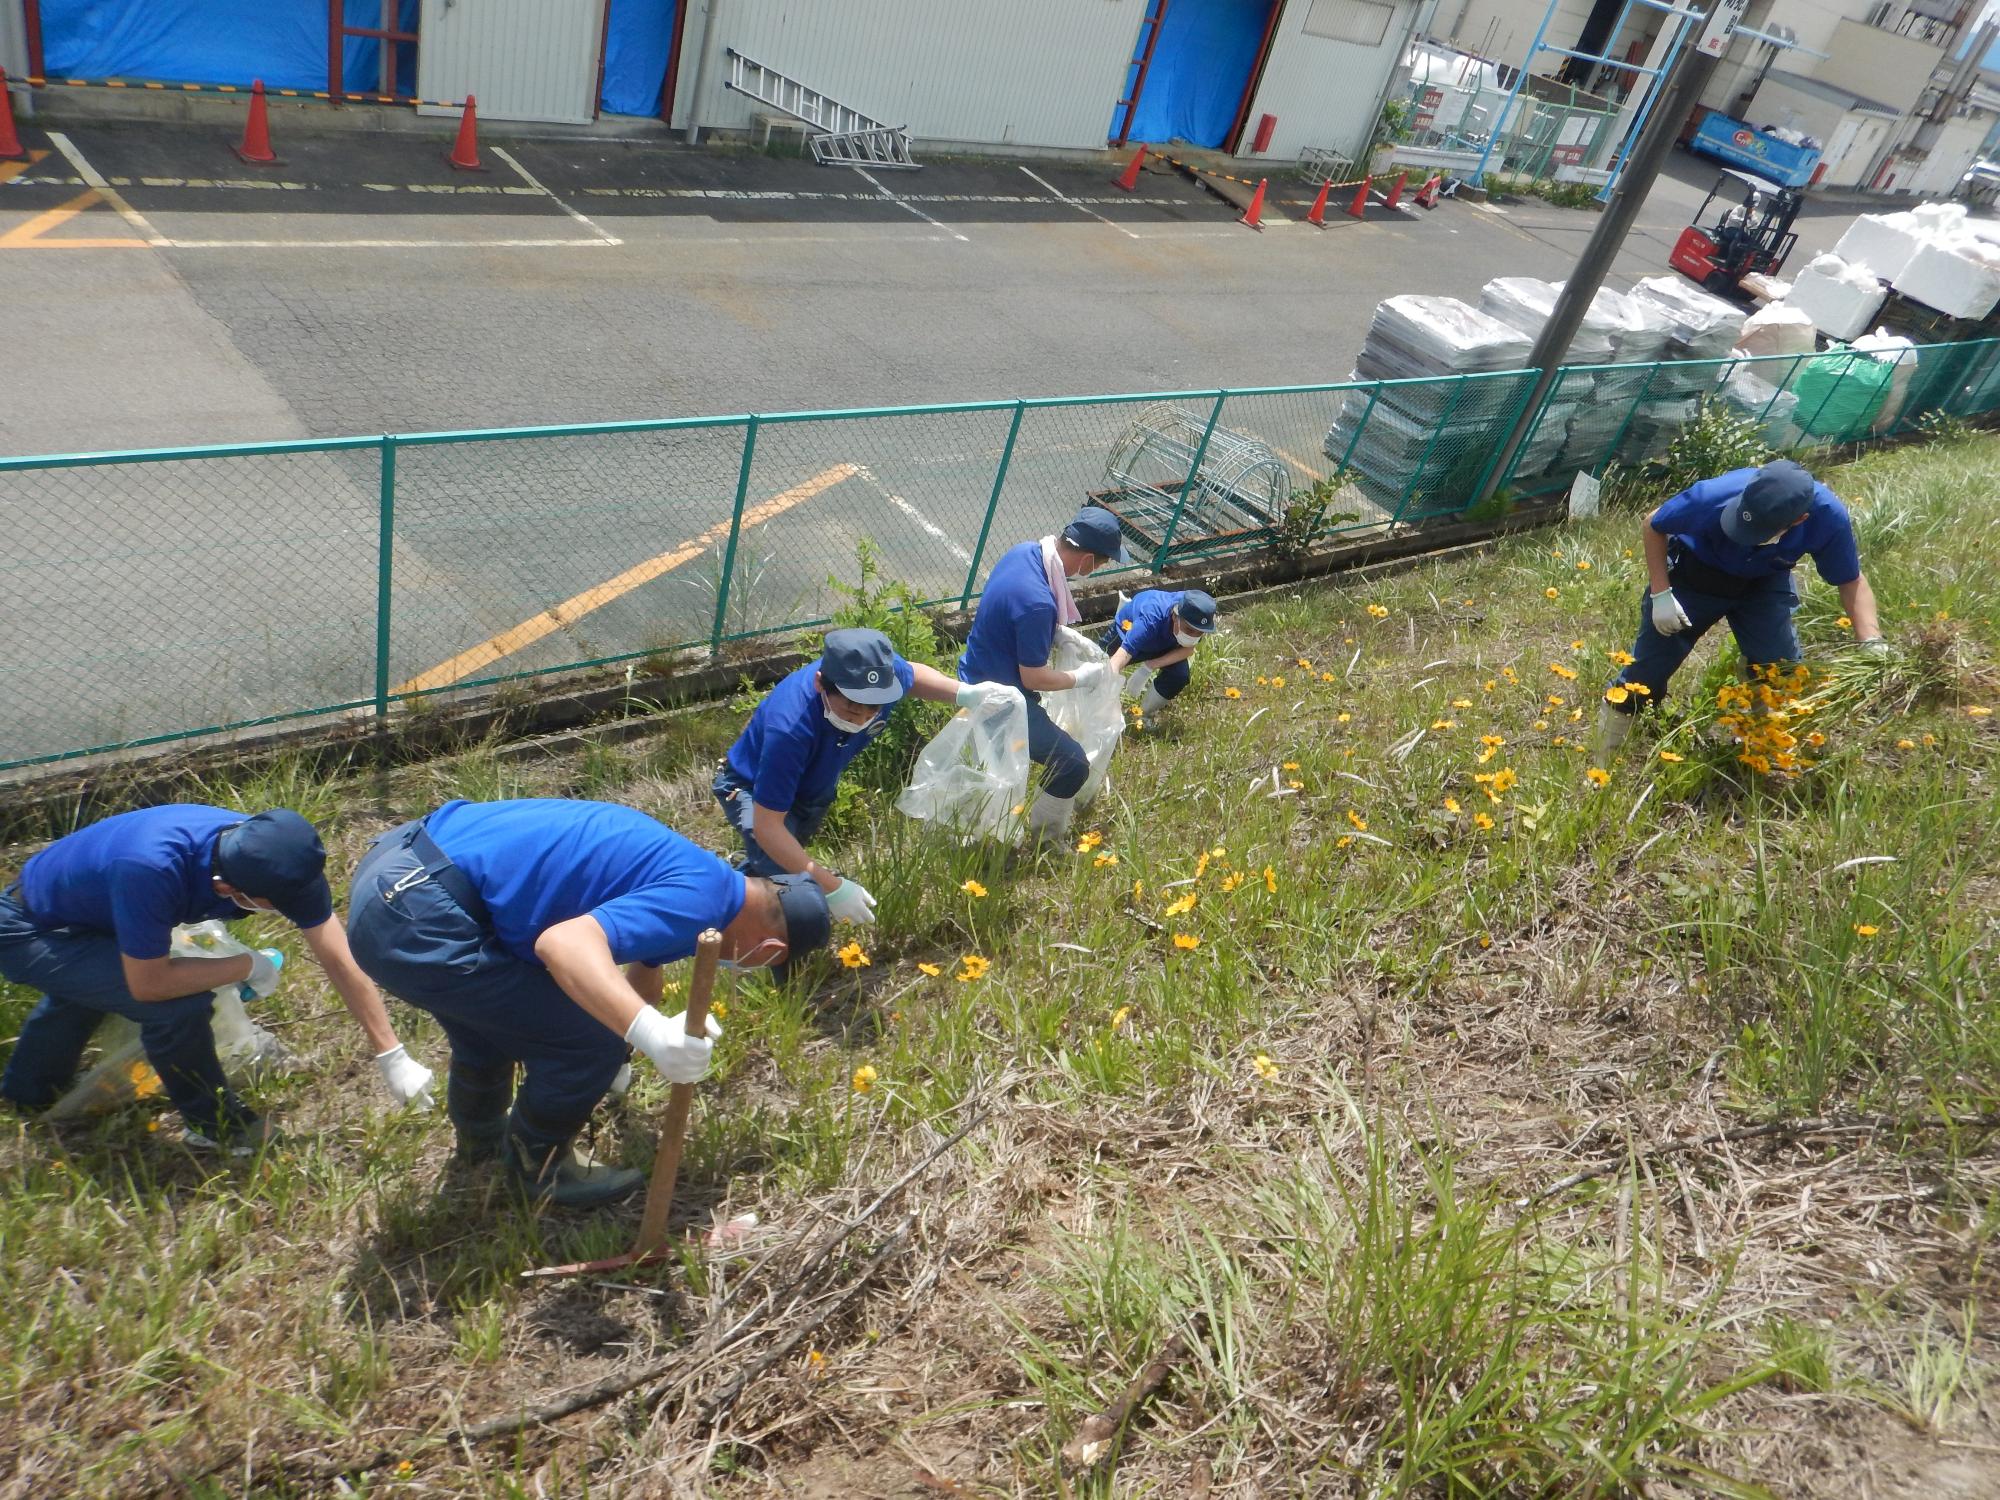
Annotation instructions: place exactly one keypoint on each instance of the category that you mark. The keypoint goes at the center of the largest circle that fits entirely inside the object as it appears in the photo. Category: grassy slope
(1307, 1141)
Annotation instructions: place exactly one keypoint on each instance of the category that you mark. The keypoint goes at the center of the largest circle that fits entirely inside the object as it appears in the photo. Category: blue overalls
(1144, 627)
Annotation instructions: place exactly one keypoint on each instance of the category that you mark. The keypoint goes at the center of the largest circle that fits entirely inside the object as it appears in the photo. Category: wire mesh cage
(1166, 485)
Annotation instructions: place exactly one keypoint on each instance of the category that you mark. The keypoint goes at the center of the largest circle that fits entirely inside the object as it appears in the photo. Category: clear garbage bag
(973, 775)
(1092, 716)
(122, 1074)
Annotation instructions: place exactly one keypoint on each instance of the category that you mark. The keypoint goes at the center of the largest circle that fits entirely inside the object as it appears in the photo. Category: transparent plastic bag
(1092, 716)
(122, 1074)
(973, 775)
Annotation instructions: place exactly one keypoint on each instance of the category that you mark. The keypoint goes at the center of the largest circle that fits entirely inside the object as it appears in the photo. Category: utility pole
(1690, 72)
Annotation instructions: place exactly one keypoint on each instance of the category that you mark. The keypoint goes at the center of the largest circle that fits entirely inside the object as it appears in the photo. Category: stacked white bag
(1932, 254)
(1526, 302)
(1840, 295)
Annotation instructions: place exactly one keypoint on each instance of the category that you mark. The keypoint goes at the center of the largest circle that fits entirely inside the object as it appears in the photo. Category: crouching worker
(1159, 630)
(779, 778)
(535, 932)
(90, 924)
(1724, 549)
(1013, 631)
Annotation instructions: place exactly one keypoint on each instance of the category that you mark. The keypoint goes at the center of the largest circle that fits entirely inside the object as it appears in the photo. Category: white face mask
(841, 724)
(1187, 640)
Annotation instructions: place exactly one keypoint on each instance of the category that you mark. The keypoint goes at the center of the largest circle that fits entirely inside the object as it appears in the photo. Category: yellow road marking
(1295, 461)
(9, 170)
(573, 609)
(33, 235)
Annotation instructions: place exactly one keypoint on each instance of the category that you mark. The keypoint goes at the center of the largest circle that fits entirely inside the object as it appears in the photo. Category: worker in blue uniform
(1725, 549)
(1158, 629)
(90, 923)
(779, 778)
(535, 932)
(1027, 596)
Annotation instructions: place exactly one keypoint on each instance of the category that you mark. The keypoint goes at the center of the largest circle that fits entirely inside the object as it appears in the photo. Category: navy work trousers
(1761, 620)
(417, 939)
(1167, 682)
(738, 805)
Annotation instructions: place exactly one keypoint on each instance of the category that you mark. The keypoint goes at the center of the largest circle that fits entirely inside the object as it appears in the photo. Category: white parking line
(529, 178)
(909, 207)
(922, 520)
(1078, 206)
(94, 178)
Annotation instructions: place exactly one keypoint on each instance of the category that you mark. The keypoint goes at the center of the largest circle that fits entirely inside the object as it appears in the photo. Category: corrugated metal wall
(1002, 72)
(523, 59)
(1323, 92)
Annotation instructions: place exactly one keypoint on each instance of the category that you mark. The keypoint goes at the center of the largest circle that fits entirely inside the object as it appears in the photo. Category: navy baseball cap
(1095, 529)
(861, 665)
(808, 925)
(277, 856)
(1196, 611)
(1780, 494)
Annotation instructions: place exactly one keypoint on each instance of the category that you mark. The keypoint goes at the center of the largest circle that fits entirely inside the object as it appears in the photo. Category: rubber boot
(1612, 728)
(1152, 702)
(546, 1165)
(476, 1100)
(1048, 820)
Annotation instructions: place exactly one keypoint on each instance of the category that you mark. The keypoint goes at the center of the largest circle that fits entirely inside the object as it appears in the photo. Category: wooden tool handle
(673, 1129)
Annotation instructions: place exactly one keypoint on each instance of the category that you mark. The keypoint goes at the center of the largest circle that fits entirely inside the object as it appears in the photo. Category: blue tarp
(282, 42)
(1201, 65)
(635, 55)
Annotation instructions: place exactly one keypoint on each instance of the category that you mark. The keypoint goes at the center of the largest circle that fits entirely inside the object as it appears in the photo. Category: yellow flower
(1844, 623)
(1552, 593)
(1640, 688)
(973, 889)
(1620, 658)
(1508, 673)
(853, 957)
(1343, 841)
(1263, 681)
(1232, 692)
(1277, 682)
(1559, 741)
(1628, 551)
(1461, 703)
(1270, 880)
(1616, 694)
(1231, 882)
(1180, 906)
(1443, 724)
(1598, 775)
(1541, 723)
(1342, 718)
(1266, 1069)
(1187, 942)
(1485, 823)
(1929, 741)
(1486, 940)
(1125, 625)
(152, 1126)
(1669, 755)
(864, 1078)
(1556, 700)
(405, 1469)
(1583, 567)
(1304, 665)
(719, 1010)
(1978, 711)
(1575, 714)
(1118, 1019)
(1105, 861)
(815, 1362)
(929, 971)
(1557, 554)
(1089, 842)
(1376, 611)
(1201, 865)
(1862, 929)
(972, 967)
(1360, 823)
(1566, 673)
(1290, 765)
(1488, 685)
(1815, 739)
(1326, 677)
(1451, 805)
(1217, 852)
(1294, 784)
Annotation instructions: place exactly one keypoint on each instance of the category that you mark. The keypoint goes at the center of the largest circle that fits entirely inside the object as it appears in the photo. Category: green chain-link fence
(148, 597)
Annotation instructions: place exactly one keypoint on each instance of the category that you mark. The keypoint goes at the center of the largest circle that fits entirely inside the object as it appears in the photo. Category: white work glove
(1668, 616)
(850, 902)
(409, 1081)
(664, 1039)
(621, 1081)
(264, 966)
(1875, 644)
(1089, 672)
(986, 698)
(1138, 682)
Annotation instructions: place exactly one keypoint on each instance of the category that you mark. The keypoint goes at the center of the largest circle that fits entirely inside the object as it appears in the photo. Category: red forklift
(1744, 227)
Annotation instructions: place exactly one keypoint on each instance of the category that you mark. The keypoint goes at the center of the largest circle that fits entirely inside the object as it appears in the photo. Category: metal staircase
(840, 136)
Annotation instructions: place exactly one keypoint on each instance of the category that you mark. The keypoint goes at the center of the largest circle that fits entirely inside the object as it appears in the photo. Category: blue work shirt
(540, 861)
(790, 754)
(136, 876)
(1146, 626)
(1694, 519)
(1015, 624)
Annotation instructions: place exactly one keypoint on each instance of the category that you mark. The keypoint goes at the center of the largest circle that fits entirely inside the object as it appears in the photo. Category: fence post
(385, 562)
(993, 502)
(1618, 437)
(1194, 470)
(735, 534)
(1548, 397)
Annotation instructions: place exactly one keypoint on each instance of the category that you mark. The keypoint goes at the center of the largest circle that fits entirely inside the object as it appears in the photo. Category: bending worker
(779, 778)
(535, 932)
(90, 923)
(1159, 630)
(1013, 631)
(1725, 548)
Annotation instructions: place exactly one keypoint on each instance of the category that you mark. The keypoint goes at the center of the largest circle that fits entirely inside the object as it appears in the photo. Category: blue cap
(1196, 611)
(1770, 504)
(277, 856)
(808, 924)
(1095, 529)
(861, 665)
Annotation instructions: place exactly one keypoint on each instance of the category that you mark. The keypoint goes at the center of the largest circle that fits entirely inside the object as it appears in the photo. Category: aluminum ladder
(840, 136)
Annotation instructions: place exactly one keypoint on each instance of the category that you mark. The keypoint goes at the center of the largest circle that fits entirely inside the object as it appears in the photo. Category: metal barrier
(156, 596)
(1533, 136)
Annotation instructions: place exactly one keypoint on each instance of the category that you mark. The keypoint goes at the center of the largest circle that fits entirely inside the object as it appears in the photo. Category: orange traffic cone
(1427, 195)
(1358, 207)
(10, 140)
(1396, 193)
(465, 155)
(1130, 179)
(256, 146)
(1317, 213)
(1254, 215)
